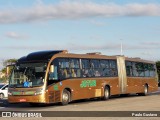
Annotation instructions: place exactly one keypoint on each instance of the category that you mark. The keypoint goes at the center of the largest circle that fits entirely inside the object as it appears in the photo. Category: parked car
(3, 91)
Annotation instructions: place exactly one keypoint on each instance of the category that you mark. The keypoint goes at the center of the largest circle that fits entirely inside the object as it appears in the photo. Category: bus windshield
(28, 75)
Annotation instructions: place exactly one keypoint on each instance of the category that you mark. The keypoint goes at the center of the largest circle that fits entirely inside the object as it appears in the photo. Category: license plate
(22, 100)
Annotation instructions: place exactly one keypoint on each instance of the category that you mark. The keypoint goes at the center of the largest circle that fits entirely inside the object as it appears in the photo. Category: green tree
(9, 63)
(158, 68)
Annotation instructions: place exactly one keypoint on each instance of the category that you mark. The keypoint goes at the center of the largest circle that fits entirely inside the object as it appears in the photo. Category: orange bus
(59, 76)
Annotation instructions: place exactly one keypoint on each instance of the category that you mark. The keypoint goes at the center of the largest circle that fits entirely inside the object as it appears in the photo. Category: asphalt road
(133, 102)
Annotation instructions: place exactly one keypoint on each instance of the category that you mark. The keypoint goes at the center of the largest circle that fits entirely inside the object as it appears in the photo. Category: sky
(80, 26)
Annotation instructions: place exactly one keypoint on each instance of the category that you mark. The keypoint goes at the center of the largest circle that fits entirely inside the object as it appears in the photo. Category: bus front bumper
(27, 99)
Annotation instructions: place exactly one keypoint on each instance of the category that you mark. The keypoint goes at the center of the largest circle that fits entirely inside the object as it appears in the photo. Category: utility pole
(121, 47)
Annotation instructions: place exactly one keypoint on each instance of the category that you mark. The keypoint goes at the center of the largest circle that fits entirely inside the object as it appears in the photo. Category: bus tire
(145, 92)
(106, 93)
(1, 96)
(65, 97)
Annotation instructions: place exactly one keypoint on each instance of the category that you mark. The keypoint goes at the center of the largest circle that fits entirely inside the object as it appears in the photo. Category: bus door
(122, 74)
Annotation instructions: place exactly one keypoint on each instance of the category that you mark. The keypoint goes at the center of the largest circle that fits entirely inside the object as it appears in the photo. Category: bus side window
(129, 69)
(73, 73)
(151, 70)
(113, 68)
(85, 68)
(62, 73)
(53, 73)
(79, 73)
(53, 70)
(135, 73)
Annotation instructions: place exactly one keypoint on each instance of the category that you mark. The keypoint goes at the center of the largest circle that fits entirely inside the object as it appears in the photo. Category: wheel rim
(145, 90)
(65, 97)
(106, 93)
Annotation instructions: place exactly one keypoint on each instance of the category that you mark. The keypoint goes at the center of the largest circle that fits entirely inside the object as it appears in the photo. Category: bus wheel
(145, 91)
(1, 96)
(106, 93)
(65, 97)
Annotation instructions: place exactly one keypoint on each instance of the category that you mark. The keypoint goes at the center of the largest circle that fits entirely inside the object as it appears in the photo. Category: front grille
(54, 96)
(57, 96)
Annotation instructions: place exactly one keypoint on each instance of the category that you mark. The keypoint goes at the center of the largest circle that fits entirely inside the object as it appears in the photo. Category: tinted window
(85, 63)
(152, 70)
(72, 67)
(95, 68)
(113, 68)
(146, 70)
(87, 68)
(109, 68)
(69, 68)
(63, 63)
(113, 64)
(104, 64)
(138, 69)
(129, 69)
(74, 63)
(95, 64)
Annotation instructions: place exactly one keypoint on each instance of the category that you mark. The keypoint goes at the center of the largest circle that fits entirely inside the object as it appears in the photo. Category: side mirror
(51, 69)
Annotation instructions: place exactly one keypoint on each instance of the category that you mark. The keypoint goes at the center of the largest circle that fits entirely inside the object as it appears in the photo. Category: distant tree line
(158, 69)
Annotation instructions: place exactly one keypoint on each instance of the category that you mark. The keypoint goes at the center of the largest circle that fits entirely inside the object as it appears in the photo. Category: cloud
(115, 46)
(77, 47)
(72, 45)
(75, 10)
(147, 53)
(152, 43)
(15, 35)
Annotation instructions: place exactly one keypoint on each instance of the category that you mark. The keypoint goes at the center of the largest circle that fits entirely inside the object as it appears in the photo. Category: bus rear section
(141, 76)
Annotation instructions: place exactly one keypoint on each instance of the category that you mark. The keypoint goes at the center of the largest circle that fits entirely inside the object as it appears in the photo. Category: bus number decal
(88, 83)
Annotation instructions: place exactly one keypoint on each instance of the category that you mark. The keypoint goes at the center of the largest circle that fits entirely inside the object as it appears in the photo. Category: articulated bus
(61, 77)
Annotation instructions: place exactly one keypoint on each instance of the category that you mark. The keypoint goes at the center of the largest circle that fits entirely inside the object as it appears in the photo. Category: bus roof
(47, 55)
(39, 56)
(137, 59)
